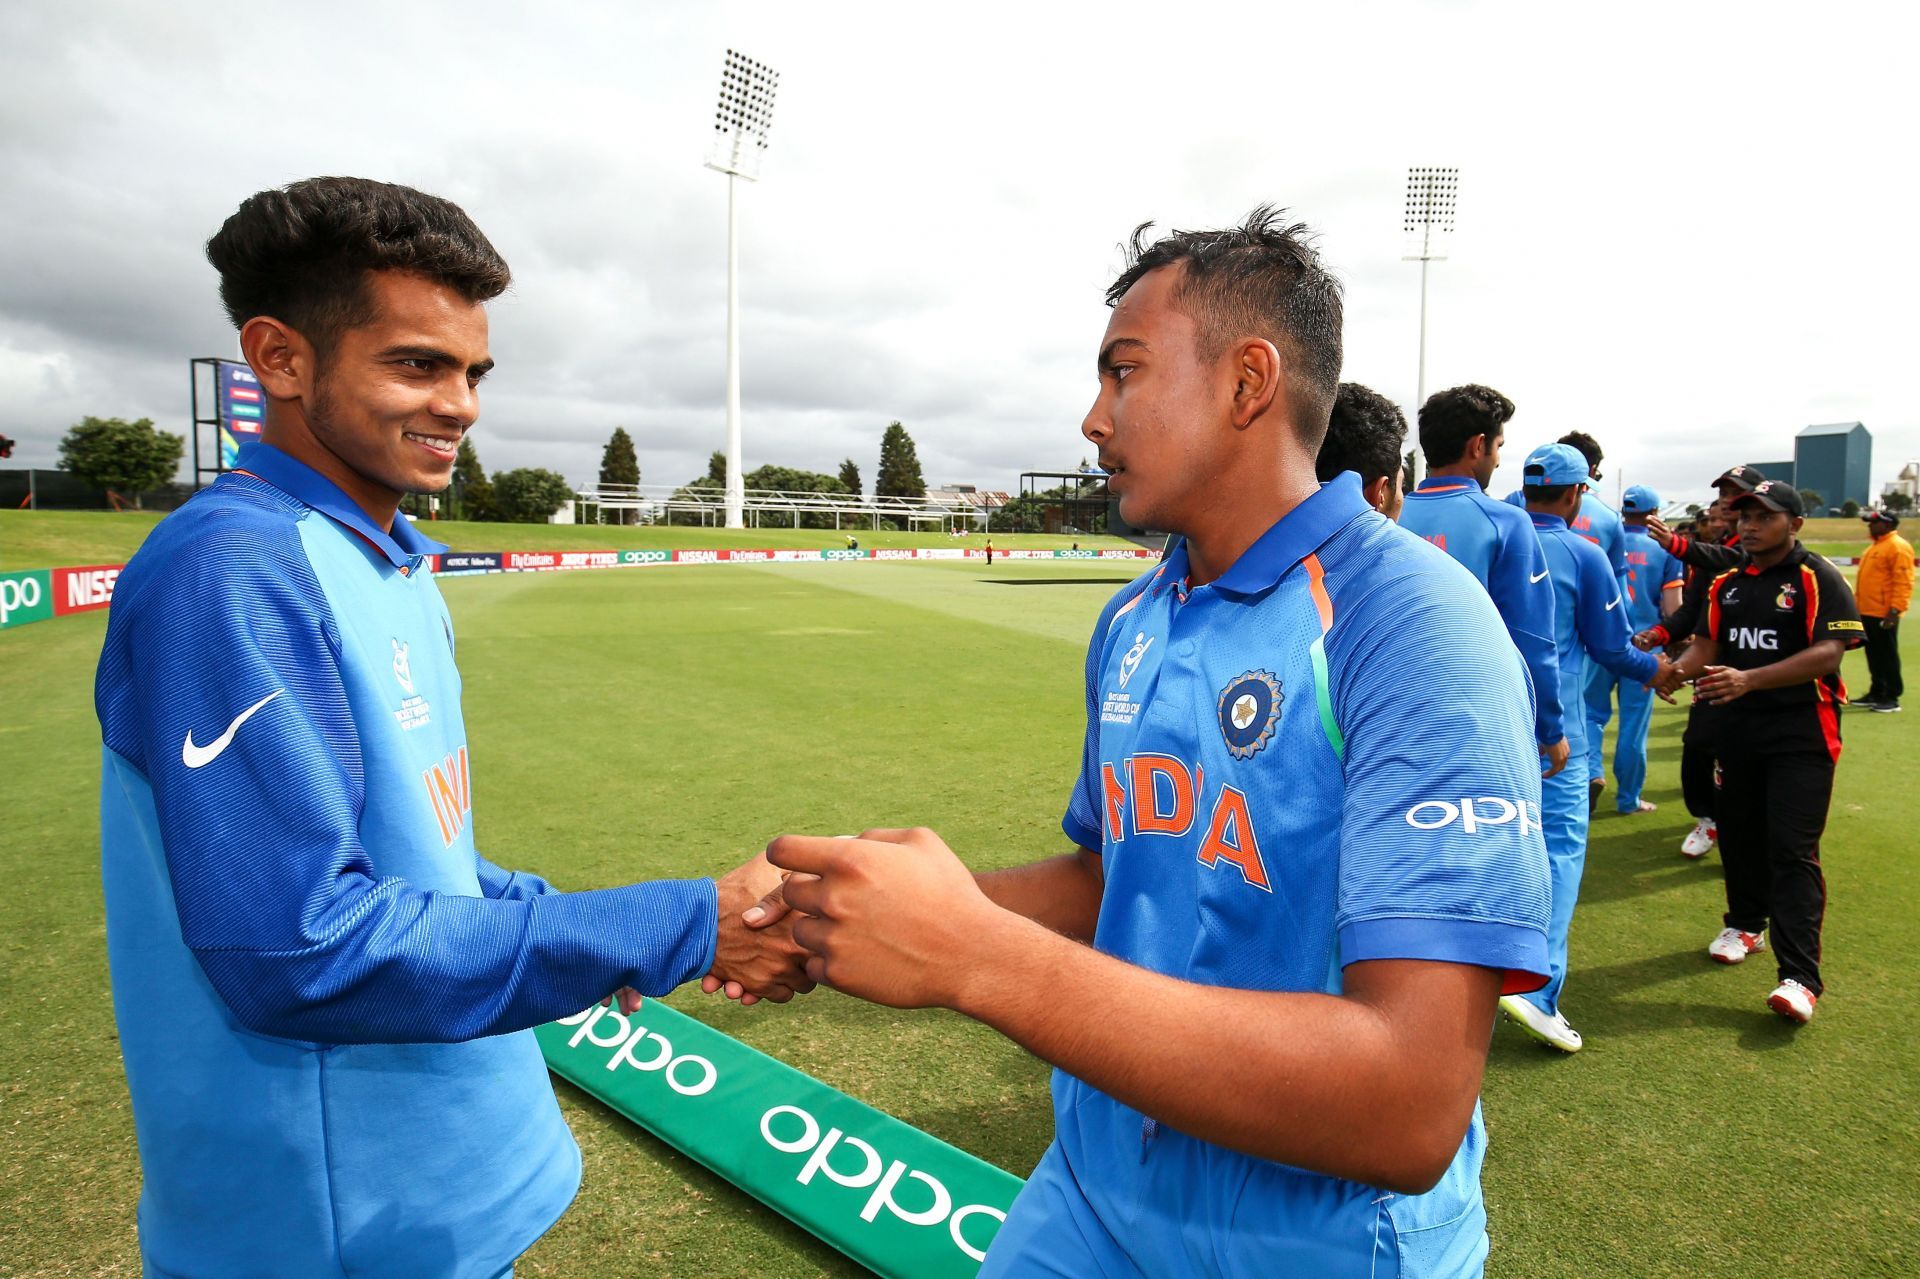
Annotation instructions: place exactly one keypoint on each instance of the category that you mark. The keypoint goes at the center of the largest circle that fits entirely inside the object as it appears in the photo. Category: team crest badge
(1130, 662)
(1785, 601)
(1249, 708)
(402, 668)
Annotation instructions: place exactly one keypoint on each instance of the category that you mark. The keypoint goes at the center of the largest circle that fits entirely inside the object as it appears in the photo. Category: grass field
(630, 724)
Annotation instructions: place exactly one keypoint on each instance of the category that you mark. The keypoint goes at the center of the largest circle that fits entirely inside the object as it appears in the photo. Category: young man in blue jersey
(1654, 579)
(1461, 431)
(1590, 624)
(1364, 435)
(323, 991)
(1599, 524)
(1308, 860)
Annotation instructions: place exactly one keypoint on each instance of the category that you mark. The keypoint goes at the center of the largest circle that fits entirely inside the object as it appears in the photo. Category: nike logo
(200, 756)
(1616, 600)
(1541, 576)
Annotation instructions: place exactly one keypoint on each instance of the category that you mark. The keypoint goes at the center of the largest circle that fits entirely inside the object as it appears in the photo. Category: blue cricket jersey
(1601, 525)
(323, 992)
(1650, 570)
(1497, 545)
(1590, 618)
(1324, 756)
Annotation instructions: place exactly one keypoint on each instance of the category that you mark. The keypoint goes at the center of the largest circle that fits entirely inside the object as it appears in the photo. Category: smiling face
(1163, 418)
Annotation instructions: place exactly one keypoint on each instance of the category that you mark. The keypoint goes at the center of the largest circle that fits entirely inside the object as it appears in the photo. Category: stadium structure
(954, 509)
(1834, 460)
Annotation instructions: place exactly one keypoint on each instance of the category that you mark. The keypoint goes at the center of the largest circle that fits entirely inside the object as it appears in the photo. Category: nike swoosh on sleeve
(1540, 576)
(200, 756)
(1610, 607)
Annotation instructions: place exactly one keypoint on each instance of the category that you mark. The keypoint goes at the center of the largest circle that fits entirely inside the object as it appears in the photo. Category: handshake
(884, 915)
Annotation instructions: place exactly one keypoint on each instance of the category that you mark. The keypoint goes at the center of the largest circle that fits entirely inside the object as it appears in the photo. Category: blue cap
(1552, 465)
(1639, 500)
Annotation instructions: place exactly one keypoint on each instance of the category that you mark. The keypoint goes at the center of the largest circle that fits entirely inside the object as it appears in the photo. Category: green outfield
(656, 722)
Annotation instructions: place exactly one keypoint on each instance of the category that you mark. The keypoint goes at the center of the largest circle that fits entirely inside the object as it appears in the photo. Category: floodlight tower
(1428, 225)
(741, 122)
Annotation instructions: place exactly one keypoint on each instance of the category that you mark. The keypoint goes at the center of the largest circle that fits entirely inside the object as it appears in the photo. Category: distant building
(1834, 461)
(968, 495)
(1775, 470)
(1908, 483)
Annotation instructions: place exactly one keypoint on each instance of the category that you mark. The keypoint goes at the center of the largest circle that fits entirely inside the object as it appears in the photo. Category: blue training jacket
(1590, 615)
(323, 991)
(1497, 544)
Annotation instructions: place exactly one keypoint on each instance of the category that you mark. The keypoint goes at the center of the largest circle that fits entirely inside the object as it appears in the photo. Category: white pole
(1420, 392)
(736, 486)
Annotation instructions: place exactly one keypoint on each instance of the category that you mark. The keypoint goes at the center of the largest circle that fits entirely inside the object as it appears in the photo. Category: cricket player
(1308, 857)
(1461, 432)
(1589, 625)
(1364, 435)
(323, 990)
(1654, 579)
(1766, 656)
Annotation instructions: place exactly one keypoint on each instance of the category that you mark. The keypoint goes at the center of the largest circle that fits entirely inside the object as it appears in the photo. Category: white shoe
(1733, 946)
(1700, 838)
(1550, 1029)
(1793, 1001)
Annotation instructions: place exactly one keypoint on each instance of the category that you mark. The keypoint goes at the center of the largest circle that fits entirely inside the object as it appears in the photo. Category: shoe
(1640, 806)
(1793, 1001)
(1733, 946)
(1550, 1029)
(1594, 787)
(1885, 708)
(1702, 837)
(1867, 703)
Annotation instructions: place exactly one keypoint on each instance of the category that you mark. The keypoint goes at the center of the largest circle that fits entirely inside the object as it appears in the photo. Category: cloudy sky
(1688, 229)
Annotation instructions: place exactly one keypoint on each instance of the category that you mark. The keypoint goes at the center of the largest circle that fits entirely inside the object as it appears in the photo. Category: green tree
(470, 497)
(1897, 502)
(619, 465)
(1850, 509)
(850, 477)
(899, 474)
(1812, 500)
(529, 494)
(124, 458)
(716, 470)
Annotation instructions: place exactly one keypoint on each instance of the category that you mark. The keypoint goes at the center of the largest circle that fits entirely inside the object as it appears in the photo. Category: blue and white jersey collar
(1296, 535)
(295, 478)
(1546, 521)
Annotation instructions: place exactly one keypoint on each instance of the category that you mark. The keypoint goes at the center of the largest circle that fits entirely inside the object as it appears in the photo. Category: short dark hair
(1262, 278)
(1364, 434)
(1588, 446)
(1453, 417)
(1544, 493)
(302, 253)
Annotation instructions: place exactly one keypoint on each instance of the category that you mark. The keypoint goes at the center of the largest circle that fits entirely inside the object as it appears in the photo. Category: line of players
(1607, 605)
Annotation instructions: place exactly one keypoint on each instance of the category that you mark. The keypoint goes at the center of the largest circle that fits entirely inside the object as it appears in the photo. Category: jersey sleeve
(1837, 617)
(509, 885)
(1441, 852)
(1601, 619)
(1523, 596)
(1084, 819)
(238, 719)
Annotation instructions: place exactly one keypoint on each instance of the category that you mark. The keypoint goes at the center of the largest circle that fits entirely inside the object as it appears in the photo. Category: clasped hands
(887, 915)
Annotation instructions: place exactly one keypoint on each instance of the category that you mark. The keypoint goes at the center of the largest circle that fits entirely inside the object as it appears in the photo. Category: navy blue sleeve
(1601, 620)
(1084, 818)
(276, 897)
(1523, 595)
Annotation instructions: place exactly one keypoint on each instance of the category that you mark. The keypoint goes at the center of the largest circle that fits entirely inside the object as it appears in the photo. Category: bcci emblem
(402, 669)
(1249, 708)
(1131, 661)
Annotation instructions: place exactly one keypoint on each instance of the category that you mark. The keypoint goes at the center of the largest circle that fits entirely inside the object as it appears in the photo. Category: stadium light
(741, 122)
(1428, 227)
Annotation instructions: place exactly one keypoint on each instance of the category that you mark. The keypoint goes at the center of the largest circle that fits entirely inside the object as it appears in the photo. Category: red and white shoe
(1733, 946)
(1793, 1001)
(1702, 837)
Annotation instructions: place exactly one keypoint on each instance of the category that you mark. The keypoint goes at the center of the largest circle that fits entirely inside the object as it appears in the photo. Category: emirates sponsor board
(889, 1196)
(522, 561)
(25, 597)
(78, 590)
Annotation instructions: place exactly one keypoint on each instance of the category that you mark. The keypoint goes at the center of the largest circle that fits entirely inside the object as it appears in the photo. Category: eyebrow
(438, 356)
(1105, 362)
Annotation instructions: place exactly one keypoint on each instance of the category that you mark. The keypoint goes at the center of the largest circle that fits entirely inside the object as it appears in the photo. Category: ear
(1259, 380)
(282, 359)
(1378, 492)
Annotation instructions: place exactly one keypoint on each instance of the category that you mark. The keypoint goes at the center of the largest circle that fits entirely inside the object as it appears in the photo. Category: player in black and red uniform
(1766, 660)
(1705, 556)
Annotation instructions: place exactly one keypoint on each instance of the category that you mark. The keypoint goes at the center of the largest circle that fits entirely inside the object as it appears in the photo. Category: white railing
(657, 503)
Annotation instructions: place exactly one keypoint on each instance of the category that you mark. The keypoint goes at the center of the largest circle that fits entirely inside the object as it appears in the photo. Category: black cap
(1885, 517)
(1744, 478)
(1774, 495)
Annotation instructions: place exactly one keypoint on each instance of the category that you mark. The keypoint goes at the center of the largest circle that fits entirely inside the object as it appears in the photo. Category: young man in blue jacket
(1589, 624)
(1654, 578)
(323, 990)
